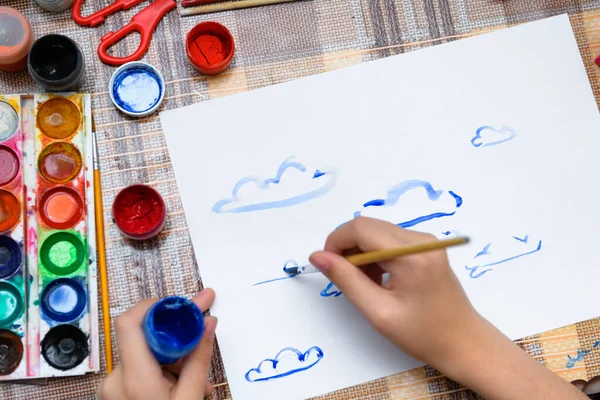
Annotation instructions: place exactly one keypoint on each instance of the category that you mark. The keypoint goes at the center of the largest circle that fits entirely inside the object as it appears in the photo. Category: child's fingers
(192, 379)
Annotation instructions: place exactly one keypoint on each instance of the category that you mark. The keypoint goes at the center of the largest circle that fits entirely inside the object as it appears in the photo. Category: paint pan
(63, 300)
(59, 162)
(11, 304)
(9, 121)
(210, 47)
(56, 62)
(61, 207)
(16, 38)
(62, 253)
(9, 165)
(11, 352)
(58, 118)
(64, 347)
(10, 210)
(10, 257)
(137, 89)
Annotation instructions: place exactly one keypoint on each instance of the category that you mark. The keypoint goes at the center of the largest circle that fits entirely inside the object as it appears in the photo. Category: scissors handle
(98, 17)
(144, 23)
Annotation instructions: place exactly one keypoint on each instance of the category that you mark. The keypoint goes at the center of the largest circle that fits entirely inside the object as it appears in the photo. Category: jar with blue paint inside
(173, 327)
(137, 89)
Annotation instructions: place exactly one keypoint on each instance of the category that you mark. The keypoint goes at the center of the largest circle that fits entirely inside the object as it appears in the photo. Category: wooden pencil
(386, 255)
(228, 6)
(99, 208)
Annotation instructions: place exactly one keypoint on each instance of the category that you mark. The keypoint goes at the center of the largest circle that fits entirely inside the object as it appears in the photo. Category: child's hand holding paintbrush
(422, 309)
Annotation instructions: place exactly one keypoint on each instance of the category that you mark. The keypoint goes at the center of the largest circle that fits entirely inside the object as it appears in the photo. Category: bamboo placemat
(273, 45)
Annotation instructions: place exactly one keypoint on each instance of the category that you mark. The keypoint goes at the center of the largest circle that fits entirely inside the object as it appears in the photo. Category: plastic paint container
(9, 121)
(11, 352)
(9, 165)
(173, 327)
(63, 300)
(56, 62)
(59, 162)
(61, 207)
(62, 253)
(11, 304)
(139, 212)
(137, 89)
(55, 5)
(10, 210)
(16, 38)
(59, 118)
(210, 47)
(10, 257)
(64, 347)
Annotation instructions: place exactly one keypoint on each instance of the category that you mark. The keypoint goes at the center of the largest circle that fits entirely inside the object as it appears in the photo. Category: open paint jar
(137, 89)
(10, 257)
(210, 47)
(56, 62)
(16, 38)
(12, 304)
(64, 347)
(139, 212)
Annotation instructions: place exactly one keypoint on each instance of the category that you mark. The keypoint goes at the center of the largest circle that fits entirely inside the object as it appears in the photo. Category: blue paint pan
(63, 300)
(137, 89)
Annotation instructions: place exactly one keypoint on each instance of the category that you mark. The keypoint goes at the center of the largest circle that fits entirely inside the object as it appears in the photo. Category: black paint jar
(56, 62)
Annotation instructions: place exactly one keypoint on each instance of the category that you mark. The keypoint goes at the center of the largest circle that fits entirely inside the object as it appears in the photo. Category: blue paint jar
(173, 327)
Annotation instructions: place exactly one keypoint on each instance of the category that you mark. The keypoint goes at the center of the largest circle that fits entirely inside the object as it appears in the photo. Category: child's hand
(422, 308)
(139, 376)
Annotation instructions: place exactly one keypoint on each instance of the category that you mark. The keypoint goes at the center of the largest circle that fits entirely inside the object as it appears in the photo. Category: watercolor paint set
(48, 283)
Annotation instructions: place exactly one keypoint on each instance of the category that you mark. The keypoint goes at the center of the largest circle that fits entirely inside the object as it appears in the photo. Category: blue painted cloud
(287, 362)
(490, 136)
(396, 193)
(315, 184)
(517, 247)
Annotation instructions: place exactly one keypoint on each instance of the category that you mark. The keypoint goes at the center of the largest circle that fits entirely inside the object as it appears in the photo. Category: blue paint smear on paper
(580, 355)
(137, 90)
(227, 205)
(326, 292)
(267, 369)
(490, 136)
(288, 264)
(396, 192)
(478, 271)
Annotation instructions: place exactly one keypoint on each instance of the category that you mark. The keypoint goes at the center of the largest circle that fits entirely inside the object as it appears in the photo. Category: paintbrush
(100, 241)
(230, 5)
(384, 255)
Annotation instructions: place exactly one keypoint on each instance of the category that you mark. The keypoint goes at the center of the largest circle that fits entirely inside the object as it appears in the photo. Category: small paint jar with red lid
(139, 212)
(16, 38)
(210, 47)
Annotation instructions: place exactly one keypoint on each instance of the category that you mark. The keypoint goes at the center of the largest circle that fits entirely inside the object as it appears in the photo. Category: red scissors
(143, 22)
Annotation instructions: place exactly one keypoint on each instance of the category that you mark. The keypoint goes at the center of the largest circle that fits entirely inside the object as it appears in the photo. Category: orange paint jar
(16, 38)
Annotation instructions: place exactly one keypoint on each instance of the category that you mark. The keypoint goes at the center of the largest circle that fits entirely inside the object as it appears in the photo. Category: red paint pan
(61, 208)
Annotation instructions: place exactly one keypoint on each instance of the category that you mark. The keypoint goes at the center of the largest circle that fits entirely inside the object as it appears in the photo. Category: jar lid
(16, 35)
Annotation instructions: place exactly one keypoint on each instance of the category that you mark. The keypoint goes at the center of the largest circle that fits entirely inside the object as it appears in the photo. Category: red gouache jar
(139, 212)
(210, 47)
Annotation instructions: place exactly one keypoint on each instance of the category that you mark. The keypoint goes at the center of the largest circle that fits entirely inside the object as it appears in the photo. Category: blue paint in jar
(173, 327)
(63, 300)
(137, 89)
(10, 257)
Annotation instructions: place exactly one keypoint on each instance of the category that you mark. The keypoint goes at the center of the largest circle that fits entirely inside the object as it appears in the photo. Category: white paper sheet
(495, 137)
